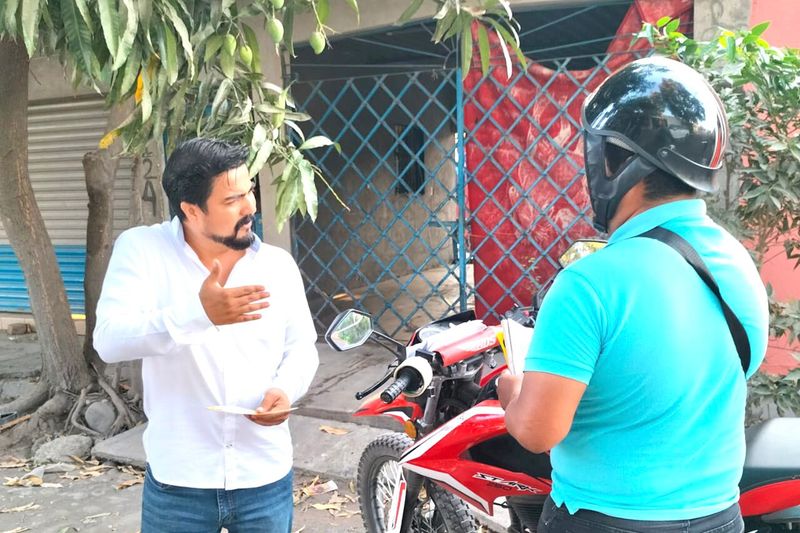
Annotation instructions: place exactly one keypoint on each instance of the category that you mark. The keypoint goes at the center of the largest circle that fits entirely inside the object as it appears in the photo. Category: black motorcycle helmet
(669, 118)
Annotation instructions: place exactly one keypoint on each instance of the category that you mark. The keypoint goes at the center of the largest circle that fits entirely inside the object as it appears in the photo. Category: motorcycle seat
(773, 452)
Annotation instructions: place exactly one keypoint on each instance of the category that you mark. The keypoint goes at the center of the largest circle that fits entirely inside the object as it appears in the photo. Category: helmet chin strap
(605, 191)
(617, 186)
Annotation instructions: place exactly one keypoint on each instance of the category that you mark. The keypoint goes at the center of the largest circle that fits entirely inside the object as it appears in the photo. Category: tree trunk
(63, 367)
(135, 214)
(100, 170)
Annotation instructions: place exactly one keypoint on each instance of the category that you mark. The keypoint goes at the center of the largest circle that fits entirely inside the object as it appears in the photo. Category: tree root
(43, 421)
(123, 413)
(29, 402)
(76, 411)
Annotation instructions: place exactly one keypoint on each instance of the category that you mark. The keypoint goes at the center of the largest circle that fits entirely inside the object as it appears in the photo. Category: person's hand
(229, 306)
(274, 408)
(508, 387)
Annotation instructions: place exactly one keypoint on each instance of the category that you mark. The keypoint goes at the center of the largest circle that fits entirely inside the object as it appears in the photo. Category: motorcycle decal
(506, 483)
(462, 341)
(453, 485)
(398, 504)
(770, 498)
(423, 445)
(400, 408)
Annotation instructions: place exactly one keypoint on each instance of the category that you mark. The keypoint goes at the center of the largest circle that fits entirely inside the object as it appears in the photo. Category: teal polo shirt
(659, 432)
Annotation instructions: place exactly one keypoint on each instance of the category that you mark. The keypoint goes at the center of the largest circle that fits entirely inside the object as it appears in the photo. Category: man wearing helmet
(635, 378)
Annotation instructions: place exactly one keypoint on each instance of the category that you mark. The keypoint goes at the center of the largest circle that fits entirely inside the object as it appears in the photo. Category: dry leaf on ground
(17, 530)
(25, 481)
(333, 430)
(321, 488)
(91, 519)
(130, 482)
(327, 506)
(13, 462)
(132, 470)
(27, 507)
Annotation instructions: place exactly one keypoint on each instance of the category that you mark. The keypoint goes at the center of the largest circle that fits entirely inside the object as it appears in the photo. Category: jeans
(556, 519)
(171, 509)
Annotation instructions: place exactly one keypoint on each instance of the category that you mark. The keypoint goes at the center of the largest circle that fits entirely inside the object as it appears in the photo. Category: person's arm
(540, 414)
(131, 324)
(541, 404)
(300, 358)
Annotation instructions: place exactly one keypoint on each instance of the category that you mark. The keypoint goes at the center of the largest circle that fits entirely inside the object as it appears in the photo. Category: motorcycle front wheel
(435, 511)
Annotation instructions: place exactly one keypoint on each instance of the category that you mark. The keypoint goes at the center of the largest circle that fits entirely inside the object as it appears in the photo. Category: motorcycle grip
(400, 384)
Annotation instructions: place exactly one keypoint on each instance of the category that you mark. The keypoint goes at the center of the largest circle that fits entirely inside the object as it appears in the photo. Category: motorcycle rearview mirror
(580, 249)
(349, 330)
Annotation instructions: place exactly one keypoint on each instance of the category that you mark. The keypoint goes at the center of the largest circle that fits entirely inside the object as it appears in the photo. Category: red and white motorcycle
(456, 451)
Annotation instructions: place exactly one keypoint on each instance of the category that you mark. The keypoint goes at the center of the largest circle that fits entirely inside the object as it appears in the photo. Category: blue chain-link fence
(459, 194)
(397, 248)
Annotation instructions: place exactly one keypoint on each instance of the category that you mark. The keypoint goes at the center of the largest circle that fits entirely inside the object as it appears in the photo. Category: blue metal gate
(398, 249)
(460, 195)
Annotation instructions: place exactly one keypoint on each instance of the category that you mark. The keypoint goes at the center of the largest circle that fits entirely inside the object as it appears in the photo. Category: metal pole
(460, 191)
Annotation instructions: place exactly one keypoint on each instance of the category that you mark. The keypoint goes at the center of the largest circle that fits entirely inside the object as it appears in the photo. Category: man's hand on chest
(231, 305)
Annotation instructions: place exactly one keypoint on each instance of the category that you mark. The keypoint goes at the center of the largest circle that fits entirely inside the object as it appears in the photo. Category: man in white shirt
(218, 318)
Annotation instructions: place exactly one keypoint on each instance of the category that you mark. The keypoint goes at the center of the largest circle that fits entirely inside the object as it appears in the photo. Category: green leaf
(128, 36)
(183, 33)
(30, 24)
(354, 6)
(309, 188)
(323, 11)
(108, 22)
(169, 57)
(228, 64)
(259, 136)
(289, 200)
(131, 70)
(511, 41)
(145, 9)
(222, 94)
(731, 48)
(662, 21)
(466, 50)
(409, 12)
(758, 29)
(10, 15)
(252, 42)
(483, 47)
(673, 25)
(264, 151)
(288, 27)
(78, 36)
(296, 129)
(315, 142)
(213, 45)
(443, 25)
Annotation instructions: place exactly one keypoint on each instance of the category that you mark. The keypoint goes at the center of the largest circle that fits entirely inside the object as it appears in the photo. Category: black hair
(191, 168)
(658, 184)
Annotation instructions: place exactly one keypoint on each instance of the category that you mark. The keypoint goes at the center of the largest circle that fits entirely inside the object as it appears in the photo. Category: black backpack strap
(680, 245)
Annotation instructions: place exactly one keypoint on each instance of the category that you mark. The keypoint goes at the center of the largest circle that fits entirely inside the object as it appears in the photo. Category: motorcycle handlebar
(400, 384)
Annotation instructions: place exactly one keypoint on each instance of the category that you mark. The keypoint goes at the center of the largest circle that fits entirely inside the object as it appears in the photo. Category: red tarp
(492, 233)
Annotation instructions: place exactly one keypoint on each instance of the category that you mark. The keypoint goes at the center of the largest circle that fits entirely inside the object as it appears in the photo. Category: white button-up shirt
(150, 309)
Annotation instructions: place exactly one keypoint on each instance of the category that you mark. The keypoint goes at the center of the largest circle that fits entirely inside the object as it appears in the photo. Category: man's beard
(234, 242)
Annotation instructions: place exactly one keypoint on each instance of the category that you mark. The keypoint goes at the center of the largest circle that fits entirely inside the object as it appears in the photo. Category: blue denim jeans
(556, 519)
(171, 509)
